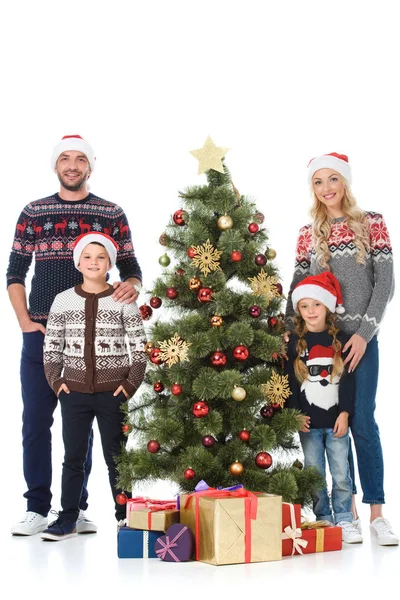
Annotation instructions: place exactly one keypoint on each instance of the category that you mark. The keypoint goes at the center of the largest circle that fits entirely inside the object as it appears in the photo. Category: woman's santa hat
(73, 142)
(323, 287)
(95, 236)
(334, 161)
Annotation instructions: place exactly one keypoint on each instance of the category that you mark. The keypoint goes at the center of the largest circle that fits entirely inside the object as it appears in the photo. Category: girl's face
(329, 189)
(314, 314)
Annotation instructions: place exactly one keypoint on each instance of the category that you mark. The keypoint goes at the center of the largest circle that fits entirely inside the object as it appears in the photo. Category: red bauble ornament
(189, 474)
(259, 217)
(153, 446)
(240, 353)
(260, 260)
(146, 312)
(200, 409)
(180, 272)
(244, 435)
(272, 321)
(126, 428)
(171, 293)
(253, 228)
(266, 412)
(218, 359)
(176, 389)
(121, 498)
(155, 302)
(236, 256)
(205, 294)
(279, 288)
(276, 406)
(263, 460)
(158, 387)
(179, 217)
(191, 252)
(254, 311)
(208, 441)
(155, 356)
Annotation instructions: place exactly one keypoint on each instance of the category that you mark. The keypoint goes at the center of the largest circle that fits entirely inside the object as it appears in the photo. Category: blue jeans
(364, 429)
(37, 418)
(315, 444)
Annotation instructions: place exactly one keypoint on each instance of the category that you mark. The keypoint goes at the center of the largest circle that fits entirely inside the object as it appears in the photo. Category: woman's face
(329, 189)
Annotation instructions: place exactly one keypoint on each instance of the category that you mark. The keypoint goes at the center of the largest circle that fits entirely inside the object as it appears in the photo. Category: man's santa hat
(95, 236)
(323, 287)
(73, 142)
(334, 161)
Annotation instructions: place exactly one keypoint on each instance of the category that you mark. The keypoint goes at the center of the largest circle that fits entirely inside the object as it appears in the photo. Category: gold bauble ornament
(271, 253)
(148, 347)
(194, 284)
(225, 222)
(216, 321)
(238, 393)
(236, 468)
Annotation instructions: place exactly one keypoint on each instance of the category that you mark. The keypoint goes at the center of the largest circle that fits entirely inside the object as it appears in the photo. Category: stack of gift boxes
(221, 527)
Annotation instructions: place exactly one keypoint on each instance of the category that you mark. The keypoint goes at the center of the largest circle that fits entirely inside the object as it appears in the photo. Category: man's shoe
(32, 524)
(382, 530)
(59, 530)
(83, 525)
(350, 534)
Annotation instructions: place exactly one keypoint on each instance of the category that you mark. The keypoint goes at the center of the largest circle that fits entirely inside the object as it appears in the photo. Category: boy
(88, 366)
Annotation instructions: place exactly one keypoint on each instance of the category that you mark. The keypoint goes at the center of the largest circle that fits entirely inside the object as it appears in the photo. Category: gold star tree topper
(210, 157)
(277, 389)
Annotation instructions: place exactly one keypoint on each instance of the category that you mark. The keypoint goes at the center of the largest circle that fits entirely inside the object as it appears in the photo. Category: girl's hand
(358, 346)
(341, 425)
(63, 388)
(119, 390)
(304, 421)
(285, 340)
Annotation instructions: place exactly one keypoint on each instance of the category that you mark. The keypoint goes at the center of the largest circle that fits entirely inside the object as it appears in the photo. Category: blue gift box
(136, 543)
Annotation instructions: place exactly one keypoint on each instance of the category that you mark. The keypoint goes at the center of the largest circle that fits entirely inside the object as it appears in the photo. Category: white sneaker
(350, 534)
(83, 525)
(357, 524)
(382, 530)
(32, 524)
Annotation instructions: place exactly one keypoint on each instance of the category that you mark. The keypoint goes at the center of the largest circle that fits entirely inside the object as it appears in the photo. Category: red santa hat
(323, 287)
(73, 142)
(95, 236)
(334, 161)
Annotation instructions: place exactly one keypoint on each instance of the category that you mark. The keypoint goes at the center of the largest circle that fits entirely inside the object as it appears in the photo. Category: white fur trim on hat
(73, 142)
(316, 292)
(336, 162)
(95, 236)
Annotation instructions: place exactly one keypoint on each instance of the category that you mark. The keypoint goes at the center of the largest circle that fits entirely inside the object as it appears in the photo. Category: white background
(144, 83)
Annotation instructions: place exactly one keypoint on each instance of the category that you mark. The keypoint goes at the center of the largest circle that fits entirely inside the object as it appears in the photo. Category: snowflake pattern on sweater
(47, 230)
(366, 289)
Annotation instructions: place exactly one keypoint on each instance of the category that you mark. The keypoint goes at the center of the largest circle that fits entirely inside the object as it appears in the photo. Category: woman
(355, 246)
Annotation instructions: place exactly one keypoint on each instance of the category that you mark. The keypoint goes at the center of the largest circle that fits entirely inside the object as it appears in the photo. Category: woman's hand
(358, 346)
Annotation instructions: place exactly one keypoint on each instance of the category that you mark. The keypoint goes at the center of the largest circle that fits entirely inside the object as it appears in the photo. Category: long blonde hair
(355, 219)
(300, 368)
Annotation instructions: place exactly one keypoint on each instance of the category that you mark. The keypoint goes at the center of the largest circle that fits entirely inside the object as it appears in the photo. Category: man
(47, 230)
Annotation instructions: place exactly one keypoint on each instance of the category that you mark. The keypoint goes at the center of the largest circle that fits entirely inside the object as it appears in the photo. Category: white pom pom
(340, 309)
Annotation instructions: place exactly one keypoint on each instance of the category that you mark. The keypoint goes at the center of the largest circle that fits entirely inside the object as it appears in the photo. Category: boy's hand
(341, 425)
(304, 421)
(63, 388)
(119, 390)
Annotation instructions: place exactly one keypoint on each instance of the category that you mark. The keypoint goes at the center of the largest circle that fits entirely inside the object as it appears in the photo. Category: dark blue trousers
(39, 402)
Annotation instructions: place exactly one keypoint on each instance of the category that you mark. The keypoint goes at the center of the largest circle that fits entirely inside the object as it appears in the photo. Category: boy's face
(94, 262)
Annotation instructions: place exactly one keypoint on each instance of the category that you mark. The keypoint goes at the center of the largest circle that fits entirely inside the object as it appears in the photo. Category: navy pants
(39, 403)
(78, 412)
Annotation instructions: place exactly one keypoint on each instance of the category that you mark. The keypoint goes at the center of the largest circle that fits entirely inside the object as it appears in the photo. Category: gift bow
(167, 545)
(294, 533)
(315, 524)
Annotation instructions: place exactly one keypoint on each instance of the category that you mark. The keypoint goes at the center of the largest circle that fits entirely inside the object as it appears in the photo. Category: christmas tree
(211, 404)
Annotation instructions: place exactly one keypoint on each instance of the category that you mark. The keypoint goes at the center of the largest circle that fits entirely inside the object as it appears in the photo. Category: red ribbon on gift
(157, 506)
(250, 513)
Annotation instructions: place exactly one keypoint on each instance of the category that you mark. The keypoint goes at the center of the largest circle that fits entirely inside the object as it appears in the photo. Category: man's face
(73, 170)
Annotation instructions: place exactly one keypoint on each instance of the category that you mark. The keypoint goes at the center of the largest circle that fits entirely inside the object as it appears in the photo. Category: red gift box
(322, 539)
(292, 535)
(307, 538)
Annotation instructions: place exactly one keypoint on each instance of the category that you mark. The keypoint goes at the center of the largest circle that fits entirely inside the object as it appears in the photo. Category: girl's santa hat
(323, 287)
(73, 142)
(95, 236)
(334, 161)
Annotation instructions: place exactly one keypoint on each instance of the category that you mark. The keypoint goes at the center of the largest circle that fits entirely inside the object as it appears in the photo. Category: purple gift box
(176, 545)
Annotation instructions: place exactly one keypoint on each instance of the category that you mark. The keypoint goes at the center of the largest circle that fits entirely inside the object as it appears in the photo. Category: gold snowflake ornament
(277, 389)
(174, 350)
(264, 285)
(206, 258)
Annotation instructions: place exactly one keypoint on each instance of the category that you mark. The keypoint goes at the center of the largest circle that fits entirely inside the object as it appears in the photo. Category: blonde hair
(300, 368)
(355, 219)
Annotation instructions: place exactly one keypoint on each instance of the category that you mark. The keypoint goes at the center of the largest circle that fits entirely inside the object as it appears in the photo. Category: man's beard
(73, 187)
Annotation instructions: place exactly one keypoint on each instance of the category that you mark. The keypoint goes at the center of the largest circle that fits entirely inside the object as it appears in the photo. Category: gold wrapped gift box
(152, 521)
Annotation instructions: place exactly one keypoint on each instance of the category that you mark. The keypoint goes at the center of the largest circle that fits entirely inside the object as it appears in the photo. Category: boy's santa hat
(73, 142)
(95, 236)
(323, 287)
(334, 161)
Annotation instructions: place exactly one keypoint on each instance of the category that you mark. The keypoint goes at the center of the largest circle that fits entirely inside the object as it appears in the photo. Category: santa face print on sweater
(318, 387)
